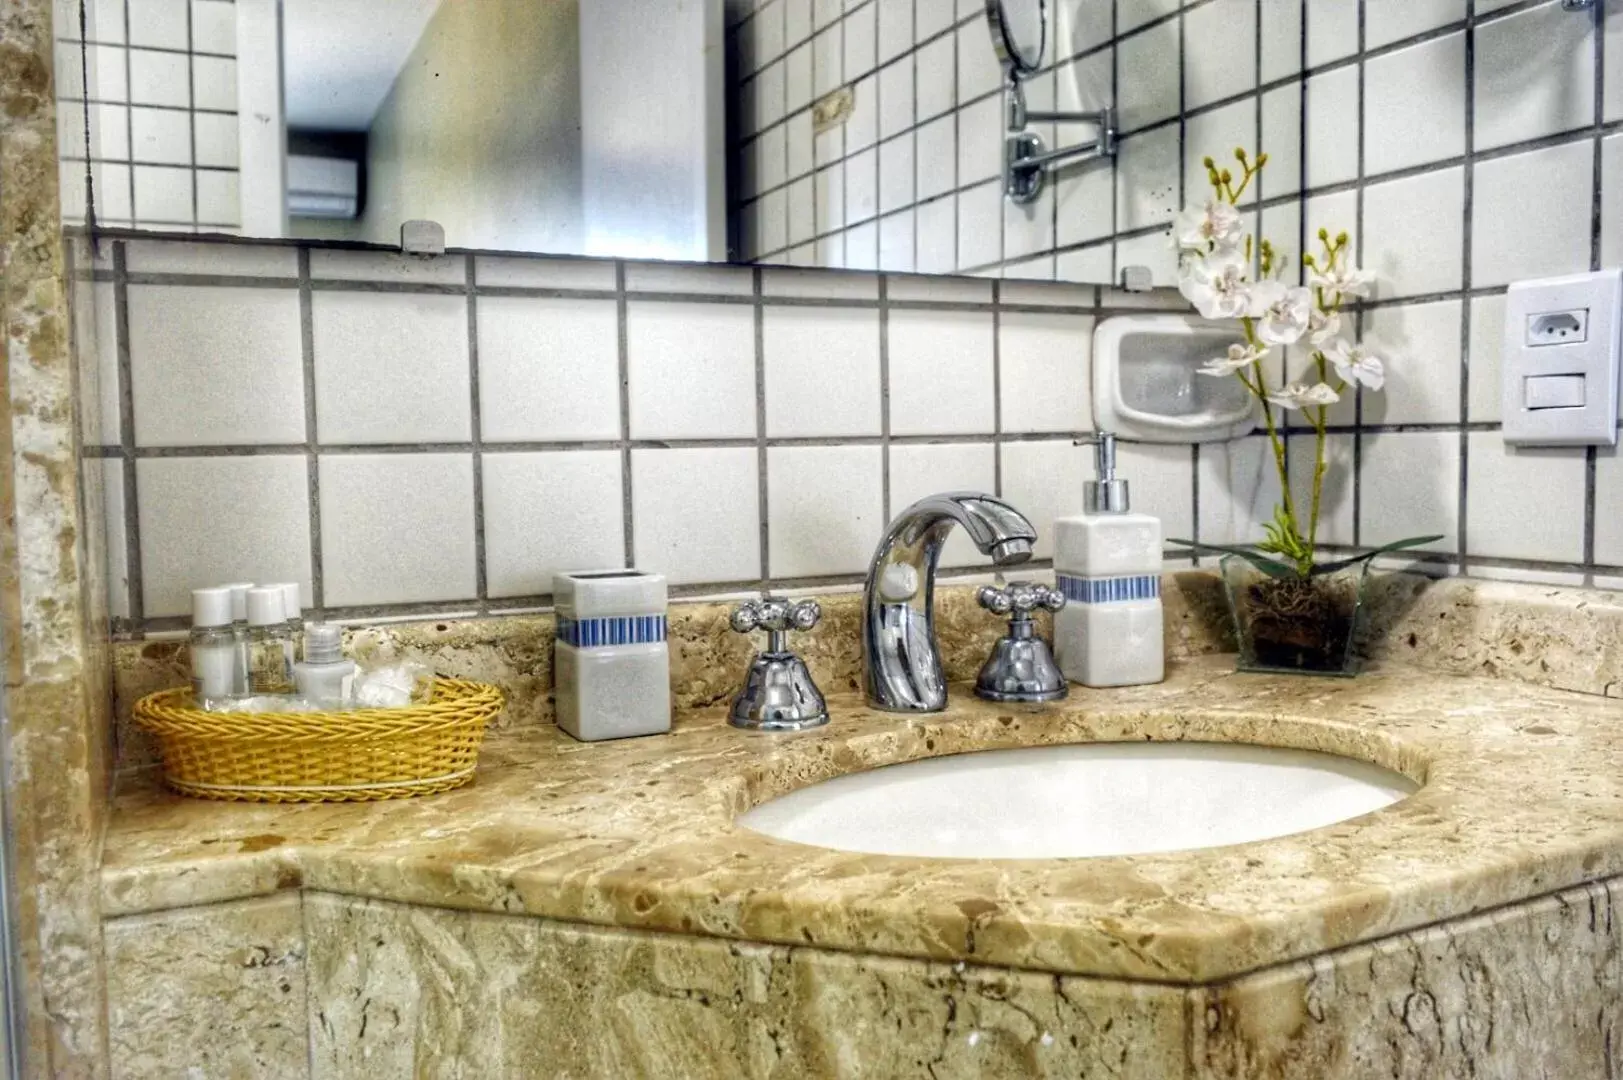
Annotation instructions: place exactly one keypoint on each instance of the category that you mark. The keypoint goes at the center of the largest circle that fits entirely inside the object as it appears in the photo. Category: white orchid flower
(1340, 282)
(1216, 225)
(1239, 356)
(1321, 327)
(1356, 363)
(1283, 311)
(1216, 284)
(1302, 396)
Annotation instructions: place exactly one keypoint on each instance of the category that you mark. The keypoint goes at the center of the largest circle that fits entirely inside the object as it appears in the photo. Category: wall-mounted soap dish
(1147, 386)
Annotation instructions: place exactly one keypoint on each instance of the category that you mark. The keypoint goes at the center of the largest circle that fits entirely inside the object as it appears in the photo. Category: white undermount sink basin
(1054, 802)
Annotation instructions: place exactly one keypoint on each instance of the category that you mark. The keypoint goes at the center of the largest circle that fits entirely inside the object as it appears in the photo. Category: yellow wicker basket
(350, 756)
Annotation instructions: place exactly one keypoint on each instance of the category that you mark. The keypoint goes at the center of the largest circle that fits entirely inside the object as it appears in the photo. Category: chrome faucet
(901, 663)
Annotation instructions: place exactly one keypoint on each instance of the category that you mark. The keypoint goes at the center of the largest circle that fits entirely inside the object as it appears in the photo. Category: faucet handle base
(1021, 669)
(778, 695)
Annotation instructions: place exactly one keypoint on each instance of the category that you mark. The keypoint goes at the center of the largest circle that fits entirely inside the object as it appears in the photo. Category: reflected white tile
(549, 512)
(1085, 264)
(1147, 83)
(825, 505)
(936, 225)
(800, 210)
(163, 194)
(219, 200)
(862, 186)
(826, 61)
(895, 30)
(980, 141)
(396, 528)
(1147, 180)
(264, 538)
(895, 91)
(978, 70)
(862, 246)
(691, 370)
(390, 367)
(215, 366)
(941, 372)
(861, 42)
(896, 170)
(548, 369)
(156, 78)
(214, 82)
(1524, 502)
(214, 26)
(720, 544)
(1409, 485)
(822, 371)
(161, 136)
(936, 155)
(159, 23)
(934, 89)
(931, 17)
(215, 136)
(115, 538)
(1046, 368)
(896, 242)
(1215, 134)
(980, 225)
(1224, 62)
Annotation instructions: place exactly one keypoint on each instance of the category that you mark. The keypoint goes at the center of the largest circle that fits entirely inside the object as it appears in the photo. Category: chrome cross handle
(778, 693)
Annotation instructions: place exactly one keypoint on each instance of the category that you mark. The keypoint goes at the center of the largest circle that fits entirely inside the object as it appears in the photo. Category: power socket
(1560, 365)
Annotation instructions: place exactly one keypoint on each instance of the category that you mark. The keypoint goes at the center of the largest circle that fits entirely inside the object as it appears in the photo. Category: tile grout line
(476, 431)
(129, 110)
(1358, 316)
(884, 396)
(997, 393)
(1592, 452)
(312, 430)
(762, 491)
(135, 598)
(191, 116)
(623, 360)
(1468, 188)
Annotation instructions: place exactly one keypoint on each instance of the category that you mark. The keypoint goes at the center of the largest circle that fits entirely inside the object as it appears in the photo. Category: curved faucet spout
(901, 661)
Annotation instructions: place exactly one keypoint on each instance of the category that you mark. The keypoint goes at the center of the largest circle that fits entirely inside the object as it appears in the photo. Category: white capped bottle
(239, 626)
(212, 649)
(1107, 562)
(270, 645)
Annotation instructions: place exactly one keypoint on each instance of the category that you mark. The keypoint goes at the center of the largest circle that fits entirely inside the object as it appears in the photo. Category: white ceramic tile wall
(153, 112)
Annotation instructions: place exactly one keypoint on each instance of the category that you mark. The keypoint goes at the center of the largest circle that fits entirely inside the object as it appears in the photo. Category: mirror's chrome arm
(1103, 146)
(1025, 160)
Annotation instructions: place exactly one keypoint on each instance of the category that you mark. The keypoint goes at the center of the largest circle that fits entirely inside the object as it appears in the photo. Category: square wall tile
(158, 78)
(391, 367)
(197, 529)
(1611, 199)
(1046, 367)
(1414, 233)
(549, 512)
(1161, 479)
(670, 277)
(104, 317)
(161, 136)
(1043, 480)
(919, 471)
(1336, 493)
(825, 509)
(1239, 488)
(723, 544)
(215, 366)
(1421, 346)
(544, 273)
(114, 539)
(1147, 84)
(822, 284)
(1608, 506)
(1524, 502)
(1409, 485)
(1486, 358)
(1332, 127)
(1507, 242)
(691, 370)
(548, 369)
(941, 372)
(328, 264)
(1414, 105)
(822, 371)
(396, 528)
(1223, 62)
(1535, 75)
(163, 195)
(1281, 141)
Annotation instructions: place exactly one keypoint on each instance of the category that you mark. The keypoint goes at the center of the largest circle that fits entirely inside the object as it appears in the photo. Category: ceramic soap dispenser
(1107, 563)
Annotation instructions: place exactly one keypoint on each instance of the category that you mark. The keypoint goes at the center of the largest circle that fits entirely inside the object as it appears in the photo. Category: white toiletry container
(611, 664)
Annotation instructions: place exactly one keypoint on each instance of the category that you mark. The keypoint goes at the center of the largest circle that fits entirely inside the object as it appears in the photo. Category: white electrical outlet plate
(1560, 367)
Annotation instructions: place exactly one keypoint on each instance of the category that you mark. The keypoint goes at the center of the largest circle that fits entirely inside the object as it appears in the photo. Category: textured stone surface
(398, 991)
(639, 833)
(1535, 990)
(52, 606)
(209, 992)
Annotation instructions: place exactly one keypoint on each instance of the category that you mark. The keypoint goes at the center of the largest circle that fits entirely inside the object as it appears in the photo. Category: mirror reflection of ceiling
(340, 58)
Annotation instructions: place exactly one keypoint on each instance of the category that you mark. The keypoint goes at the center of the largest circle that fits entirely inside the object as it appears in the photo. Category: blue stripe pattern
(615, 630)
(1109, 590)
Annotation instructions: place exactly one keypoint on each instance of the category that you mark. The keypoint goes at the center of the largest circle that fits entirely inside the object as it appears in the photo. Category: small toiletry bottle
(213, 649)
(324, 675)
(270, 646)
(295, 616)
(239, 626)
(1107, 562)
(611, 665)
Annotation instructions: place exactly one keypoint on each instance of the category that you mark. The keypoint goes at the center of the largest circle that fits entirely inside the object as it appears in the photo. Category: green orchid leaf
(1272, 567)
(1396, 545)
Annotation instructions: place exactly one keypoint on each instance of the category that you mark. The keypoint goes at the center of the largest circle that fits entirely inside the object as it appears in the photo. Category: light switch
(1559, 368)
(1555, 392)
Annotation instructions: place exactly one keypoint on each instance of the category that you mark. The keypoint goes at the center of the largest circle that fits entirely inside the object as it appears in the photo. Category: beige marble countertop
(1522, 795)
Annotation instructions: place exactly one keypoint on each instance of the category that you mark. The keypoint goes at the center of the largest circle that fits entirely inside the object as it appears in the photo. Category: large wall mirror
(930, 136)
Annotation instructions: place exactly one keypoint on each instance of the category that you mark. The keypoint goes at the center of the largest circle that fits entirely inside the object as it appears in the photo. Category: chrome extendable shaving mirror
(1020, 39)
(1019, 34)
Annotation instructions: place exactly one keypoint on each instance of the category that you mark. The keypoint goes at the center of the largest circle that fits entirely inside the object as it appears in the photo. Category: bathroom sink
(1080, 800)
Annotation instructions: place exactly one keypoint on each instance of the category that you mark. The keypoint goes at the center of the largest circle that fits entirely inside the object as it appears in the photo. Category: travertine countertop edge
(1523, 796)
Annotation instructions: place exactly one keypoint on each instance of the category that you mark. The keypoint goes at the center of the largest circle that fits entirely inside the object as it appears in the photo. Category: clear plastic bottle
(239, 627)
(324, 676)
(270, 646)
(293, 613)
(213, 649)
